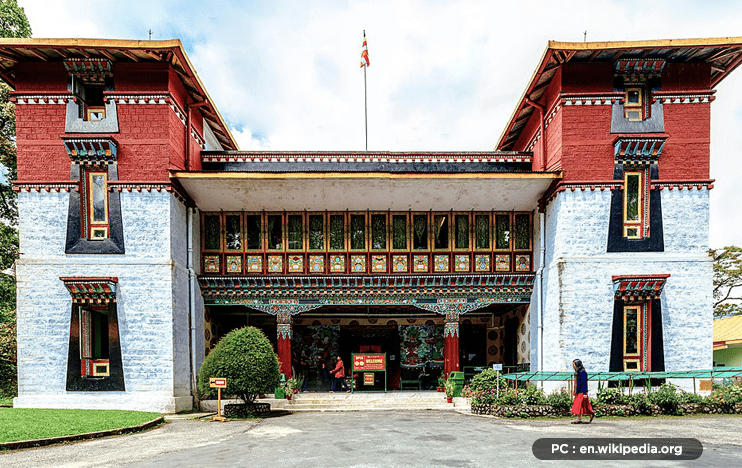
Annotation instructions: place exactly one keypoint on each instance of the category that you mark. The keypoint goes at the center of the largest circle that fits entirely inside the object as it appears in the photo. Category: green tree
(727, 281)
(13, 23)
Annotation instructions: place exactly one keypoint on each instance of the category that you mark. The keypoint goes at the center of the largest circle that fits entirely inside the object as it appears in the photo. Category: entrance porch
(426, 325)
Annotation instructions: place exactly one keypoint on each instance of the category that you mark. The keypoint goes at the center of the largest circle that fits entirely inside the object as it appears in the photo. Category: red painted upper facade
(580, 89)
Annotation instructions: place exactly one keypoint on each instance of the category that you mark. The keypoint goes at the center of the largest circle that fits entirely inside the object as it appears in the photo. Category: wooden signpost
(219, 383)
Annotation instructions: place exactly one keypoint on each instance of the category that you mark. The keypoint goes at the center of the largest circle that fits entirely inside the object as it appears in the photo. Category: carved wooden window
(634, 103)
(94, 347)
(441, 227)
(95, 203)
(399, 232)
(635, 204)
(636, 336)
(365, 242)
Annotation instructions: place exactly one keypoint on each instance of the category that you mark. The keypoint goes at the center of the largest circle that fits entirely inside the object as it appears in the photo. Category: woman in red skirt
(581, 404)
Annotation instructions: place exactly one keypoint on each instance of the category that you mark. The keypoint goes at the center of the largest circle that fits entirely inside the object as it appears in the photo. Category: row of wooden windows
(365, 231)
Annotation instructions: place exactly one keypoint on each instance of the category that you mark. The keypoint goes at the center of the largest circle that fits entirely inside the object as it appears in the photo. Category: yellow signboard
(218, 382)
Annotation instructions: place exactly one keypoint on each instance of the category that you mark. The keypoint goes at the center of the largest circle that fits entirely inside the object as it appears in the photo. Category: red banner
(369, 362)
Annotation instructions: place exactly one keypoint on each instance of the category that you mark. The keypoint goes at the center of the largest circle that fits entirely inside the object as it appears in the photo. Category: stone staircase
(361, 401)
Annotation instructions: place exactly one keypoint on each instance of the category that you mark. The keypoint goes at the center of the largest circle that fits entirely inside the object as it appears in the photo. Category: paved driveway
(375, 439)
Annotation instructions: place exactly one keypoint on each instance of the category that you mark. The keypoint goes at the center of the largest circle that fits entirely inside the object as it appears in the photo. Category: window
(94, 343)
(371, 242)
(635, 204)
(399, 232)
(316, 232)
(337, 232)
(378, 231)
(635, 337)
(420, 234)
(440, 226)
(95, 206)
(253, 225)
(90, 99)
(234, 232)
(462, 231)
(634, 99)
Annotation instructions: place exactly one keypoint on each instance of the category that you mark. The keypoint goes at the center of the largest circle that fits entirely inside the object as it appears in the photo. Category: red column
(283, 344)
(451, 344)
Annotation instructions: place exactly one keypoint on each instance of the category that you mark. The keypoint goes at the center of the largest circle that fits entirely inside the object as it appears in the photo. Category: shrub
(512, 397)
(533, 395)
(666, 397)
(466, 392)
(726, 396)
(560, 400)
(487, 380)
(640, 402)
(685, 398)
(611, 396)
(246, 359)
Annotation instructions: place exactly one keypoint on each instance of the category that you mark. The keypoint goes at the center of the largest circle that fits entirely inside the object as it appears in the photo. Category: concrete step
(391, 401)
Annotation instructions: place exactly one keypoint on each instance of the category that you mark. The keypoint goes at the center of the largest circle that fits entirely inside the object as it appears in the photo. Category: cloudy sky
(444, 75)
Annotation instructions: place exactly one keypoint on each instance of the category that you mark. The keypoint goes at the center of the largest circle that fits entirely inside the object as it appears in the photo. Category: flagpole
(365, 104)
(365, 93)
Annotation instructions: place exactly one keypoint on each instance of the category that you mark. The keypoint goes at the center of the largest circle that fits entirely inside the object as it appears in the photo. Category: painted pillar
(283, 344)
(451, 343)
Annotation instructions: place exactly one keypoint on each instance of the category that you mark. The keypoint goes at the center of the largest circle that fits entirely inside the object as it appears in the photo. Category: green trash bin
(278, 393)
(457, 377)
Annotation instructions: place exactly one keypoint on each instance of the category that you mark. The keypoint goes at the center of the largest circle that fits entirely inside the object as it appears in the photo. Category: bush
(640, 403)
(666, 397)
(726, 396)
(512, 397)
(685, 398)
(487, 380)
(611, 396)
(533, 395)
(559, 400)
(246, 359)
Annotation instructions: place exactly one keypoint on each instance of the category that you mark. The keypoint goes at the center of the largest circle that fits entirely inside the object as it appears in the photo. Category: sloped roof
(14, 51)
(724, 54)
(727, 331)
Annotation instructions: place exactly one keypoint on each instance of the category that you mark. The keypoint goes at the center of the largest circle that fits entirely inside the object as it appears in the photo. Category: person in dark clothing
(581, 404)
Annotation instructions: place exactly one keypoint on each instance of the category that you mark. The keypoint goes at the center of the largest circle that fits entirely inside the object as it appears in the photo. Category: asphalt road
(376, 439)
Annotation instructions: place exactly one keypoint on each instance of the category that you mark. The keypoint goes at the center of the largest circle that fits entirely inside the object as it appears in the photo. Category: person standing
(339, 373)
(581, 404)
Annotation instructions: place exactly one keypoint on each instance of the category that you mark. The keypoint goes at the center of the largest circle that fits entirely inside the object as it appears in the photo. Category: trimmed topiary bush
(246, 359)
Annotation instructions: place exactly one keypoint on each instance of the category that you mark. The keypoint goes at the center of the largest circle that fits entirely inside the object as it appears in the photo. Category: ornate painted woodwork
(638, 287)
(423, 291)
(97, 291)
(91, 151)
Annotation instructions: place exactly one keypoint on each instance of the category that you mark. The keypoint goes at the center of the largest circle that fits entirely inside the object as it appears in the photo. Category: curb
(20, 444)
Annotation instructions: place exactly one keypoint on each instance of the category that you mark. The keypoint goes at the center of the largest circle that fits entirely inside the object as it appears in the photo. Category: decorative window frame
(637, 293)
(93, 157)
(86, 372)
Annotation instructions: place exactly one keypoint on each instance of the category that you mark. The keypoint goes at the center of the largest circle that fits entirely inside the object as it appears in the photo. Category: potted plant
(441, 384)
(449, 391)
(290, 387)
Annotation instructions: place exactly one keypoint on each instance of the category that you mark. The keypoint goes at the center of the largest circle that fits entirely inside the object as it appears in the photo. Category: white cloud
(443, 75)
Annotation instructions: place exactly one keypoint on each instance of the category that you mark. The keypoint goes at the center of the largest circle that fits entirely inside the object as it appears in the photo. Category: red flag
(364, 52)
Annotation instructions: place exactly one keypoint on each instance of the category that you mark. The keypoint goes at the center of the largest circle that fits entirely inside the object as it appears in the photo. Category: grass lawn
(32, 423)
